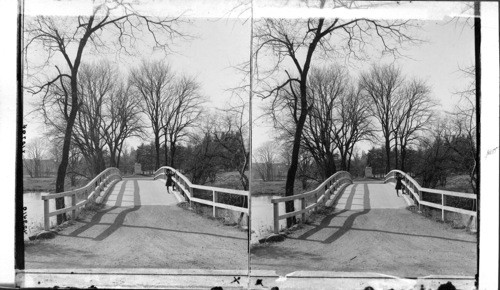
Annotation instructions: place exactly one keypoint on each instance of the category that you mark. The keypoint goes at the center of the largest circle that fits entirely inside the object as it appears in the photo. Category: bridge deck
(370, 230)
(140, 227)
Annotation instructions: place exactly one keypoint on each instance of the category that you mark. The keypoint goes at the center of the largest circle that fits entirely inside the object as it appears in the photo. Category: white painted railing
(410, 185)
(93, 192)
(322, 193)
(186, 188)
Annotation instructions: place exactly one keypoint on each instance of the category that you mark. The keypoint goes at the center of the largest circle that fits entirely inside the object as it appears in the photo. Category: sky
(219, 43)
(215, 47)
(447, 47)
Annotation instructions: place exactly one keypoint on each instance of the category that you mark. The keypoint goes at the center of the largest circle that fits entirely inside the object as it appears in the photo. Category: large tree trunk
(63, 166)
(387, 154)
(112, 157)
(292, 170)
(403, 157)
(172, 154)
(119, 155)
(396, 155)
(166, 151)
(331, 168)
(157, 151)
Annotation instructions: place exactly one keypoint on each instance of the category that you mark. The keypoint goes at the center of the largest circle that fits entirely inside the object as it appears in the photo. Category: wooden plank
(449, 193)
(62, 210)
(56, 195)
(306, 194)
(218, 189)
(431, 204)
(293, 197)
(219, 205)
(232, 207)
(460, 210)
(297, 212)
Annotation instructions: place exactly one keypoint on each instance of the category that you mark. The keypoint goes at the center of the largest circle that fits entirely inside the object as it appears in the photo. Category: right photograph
(364, 145)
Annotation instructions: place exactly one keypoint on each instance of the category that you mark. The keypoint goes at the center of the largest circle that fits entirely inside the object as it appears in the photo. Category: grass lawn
(229, 180)
(460, 183)
(260, 188)
(48, 184)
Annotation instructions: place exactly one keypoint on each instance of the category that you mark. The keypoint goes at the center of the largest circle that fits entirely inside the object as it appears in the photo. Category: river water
(262, 217)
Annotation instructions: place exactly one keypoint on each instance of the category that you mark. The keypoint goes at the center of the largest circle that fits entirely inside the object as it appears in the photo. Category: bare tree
(231, 134)
(265, 160)
(96, 84)
(122, 120)
(355, 124)
(461, 134)
(182, 108)
(298, 40)
(381, 85)
(111, 24)
(154, 81)
(35, 152)
(326, 88)
(412, 114)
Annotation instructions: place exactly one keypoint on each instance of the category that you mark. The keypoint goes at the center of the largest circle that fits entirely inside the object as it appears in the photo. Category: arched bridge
(140, 225)
(367, 227)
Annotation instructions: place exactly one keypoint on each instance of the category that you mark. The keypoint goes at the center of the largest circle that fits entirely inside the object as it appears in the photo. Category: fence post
(443, 197)
(46, 221)
(276, 218)
(419, 194)
(214, 199)
(303, 207)
(73, 204)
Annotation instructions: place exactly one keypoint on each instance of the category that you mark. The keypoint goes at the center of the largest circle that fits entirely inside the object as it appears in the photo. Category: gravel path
(142, 227)
(370, 230)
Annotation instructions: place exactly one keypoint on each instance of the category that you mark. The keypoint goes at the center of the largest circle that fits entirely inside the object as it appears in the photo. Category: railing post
(303, 207)
(276, 217)
(443, 197)
(73, 204)
(214, 199)
(46, 220)
(419, 194)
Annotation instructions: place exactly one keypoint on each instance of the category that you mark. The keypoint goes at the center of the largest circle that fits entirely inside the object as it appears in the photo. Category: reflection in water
(262, 217)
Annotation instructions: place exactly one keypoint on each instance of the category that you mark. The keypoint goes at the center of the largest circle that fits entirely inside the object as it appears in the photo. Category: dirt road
(142, 227)
(370, 230)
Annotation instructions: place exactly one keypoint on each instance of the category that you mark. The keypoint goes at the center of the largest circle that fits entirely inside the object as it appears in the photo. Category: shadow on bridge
(339, 231)
(97, 219)
(118, 222)
(325, 223)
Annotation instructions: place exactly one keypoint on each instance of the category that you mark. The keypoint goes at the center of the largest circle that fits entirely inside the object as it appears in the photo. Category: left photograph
(137, 138)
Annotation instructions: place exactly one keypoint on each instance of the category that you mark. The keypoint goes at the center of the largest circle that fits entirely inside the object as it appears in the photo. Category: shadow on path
(339, 231)
(158, 229)
(120, 218)
(325, 223)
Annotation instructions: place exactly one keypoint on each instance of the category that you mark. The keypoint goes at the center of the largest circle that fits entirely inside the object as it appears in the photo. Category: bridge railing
(91, 192)
(417, 192)
(188, 190)
(320, 195)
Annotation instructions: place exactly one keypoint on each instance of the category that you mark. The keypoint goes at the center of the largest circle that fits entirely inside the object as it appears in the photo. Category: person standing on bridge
(169, 182)
(399, 184)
